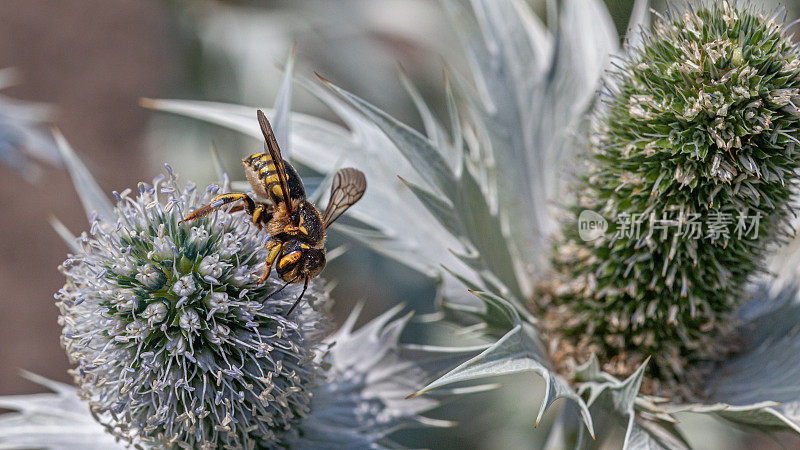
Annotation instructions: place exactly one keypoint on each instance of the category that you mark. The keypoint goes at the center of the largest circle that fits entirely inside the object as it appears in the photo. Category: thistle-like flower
(489, 183)
(175, 341)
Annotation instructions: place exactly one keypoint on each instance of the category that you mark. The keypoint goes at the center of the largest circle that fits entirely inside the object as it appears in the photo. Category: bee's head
(299, 260)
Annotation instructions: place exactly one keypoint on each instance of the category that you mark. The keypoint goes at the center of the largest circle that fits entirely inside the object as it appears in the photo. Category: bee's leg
(274, 248)
(257, 213)
(219, 201)
(263, 213)
(297, 302)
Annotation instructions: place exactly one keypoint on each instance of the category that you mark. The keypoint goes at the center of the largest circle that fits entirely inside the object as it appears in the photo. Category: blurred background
(90, 61)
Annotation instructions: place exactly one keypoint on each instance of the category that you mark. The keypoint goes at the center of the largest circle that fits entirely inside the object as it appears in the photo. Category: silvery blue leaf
(418, 150)
(756, 387)
(643, 435)
(470, 216)
(622, 401)
(433, 129)
(58, 420)
(638, 23)
(64, 233)
(590, 38)
(567, 431)
(219, 168)
(281, 121)
(20, 136)
(518, 351)
(762, 415)
(504, 85)
(371, 370)
(533, 90)
(90, 193)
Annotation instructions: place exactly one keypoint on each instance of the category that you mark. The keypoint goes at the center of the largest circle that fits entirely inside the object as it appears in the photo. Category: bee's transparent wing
(348, 187)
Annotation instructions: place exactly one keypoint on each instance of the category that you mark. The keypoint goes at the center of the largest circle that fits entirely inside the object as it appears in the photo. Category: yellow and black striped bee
(296, 228)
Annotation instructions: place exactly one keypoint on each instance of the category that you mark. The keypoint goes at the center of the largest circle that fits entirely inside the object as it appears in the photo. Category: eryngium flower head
(700, 127)
(175, 341)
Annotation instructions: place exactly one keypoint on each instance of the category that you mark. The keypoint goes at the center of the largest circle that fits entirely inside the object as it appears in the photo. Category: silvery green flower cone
(693, 159)
(491, 196)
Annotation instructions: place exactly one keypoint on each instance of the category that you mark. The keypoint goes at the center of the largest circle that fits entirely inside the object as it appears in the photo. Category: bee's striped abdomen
(263, 164)
(262, 172)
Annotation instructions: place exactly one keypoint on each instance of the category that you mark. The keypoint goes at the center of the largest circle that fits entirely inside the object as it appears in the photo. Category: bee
(296, 229)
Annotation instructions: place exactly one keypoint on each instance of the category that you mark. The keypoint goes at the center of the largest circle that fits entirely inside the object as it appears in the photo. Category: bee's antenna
(305, 286)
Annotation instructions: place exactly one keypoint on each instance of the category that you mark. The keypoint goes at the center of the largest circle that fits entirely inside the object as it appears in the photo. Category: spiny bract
(693, 164)
(176, 344)
(19, 136)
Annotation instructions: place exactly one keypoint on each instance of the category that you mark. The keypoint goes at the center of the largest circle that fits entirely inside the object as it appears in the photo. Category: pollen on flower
(174, 341)
(697, 138)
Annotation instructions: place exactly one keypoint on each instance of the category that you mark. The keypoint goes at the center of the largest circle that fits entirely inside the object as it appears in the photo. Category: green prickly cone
(698, 138)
